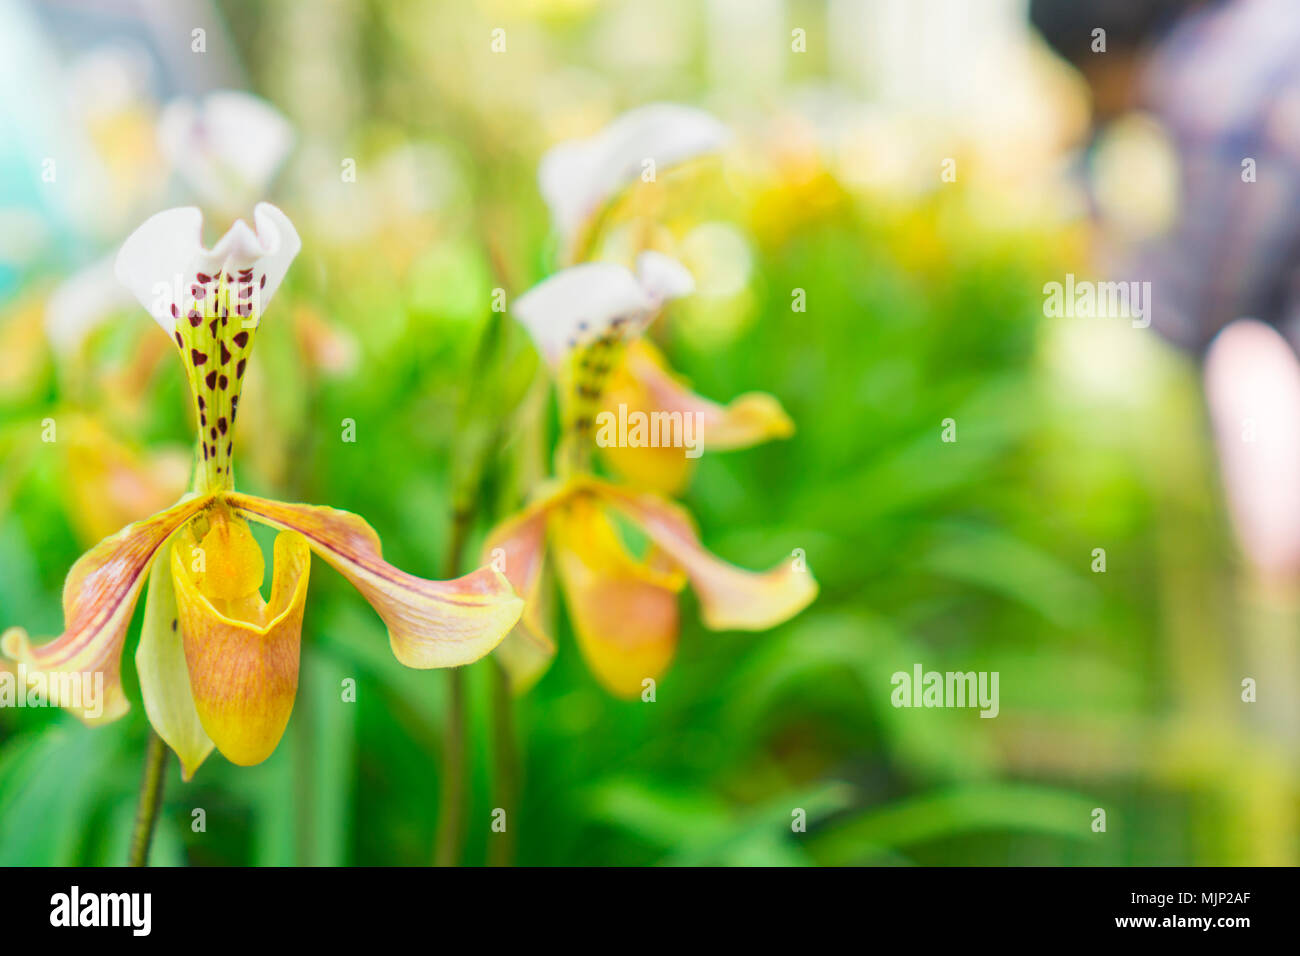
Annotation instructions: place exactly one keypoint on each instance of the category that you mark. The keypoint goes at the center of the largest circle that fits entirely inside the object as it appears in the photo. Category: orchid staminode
(218, 663)
(623, 605)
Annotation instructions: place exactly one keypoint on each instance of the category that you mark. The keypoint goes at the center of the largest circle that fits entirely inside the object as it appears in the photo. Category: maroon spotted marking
(179, 341)
(212, 328)
(203, 419)
(221, 425)
(229, 446)
(225, 354)
(244, 308)
(212, 432)
(263, 283)
(203, 278)
(211, 379)
(241, 339)
(245, 291)
(205, 452)
(176, 313)
(239, 369)
(202, 403)
(198, 357)
(195, 318)
(222, 382)
(198, 291)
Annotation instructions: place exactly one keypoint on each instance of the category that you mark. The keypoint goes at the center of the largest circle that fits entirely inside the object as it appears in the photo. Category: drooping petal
(624, 611)
(166, 266)
(517, 548)
(99, 596)
(226, 146)
(679, 424)
(164, 676)
(242, 652)
(730, 598)
(430, 623)
(577, 177)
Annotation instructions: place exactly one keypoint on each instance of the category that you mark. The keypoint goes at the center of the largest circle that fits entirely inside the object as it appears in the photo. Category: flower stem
(151, 790)
(451, 805)
(505, 767)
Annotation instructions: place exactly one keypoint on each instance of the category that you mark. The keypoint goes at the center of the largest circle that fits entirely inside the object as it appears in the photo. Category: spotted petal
(583, 303)
(730, 597)
(164, 262)
(99, 596)
(430, 623)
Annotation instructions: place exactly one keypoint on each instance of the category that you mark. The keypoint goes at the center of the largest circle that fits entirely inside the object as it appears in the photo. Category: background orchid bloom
(218, 663)
(227, 146)
(587, 320)
(623, 604)
(580, 176)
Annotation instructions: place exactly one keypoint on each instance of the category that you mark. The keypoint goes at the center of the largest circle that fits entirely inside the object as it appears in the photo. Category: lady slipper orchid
(578, 177)
(587, 320)
(623, 604)
(218, 663)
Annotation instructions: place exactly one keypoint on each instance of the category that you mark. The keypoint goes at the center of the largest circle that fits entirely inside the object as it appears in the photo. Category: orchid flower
(609, 370)
(623, 605)
(218, 664)
(578, 177)
(227, 146)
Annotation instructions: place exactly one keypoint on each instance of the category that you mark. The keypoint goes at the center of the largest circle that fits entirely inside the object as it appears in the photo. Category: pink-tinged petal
(730, 598)
(430, 623)
(99, 596)
(517, 548)
(624, 611)
(242, 652)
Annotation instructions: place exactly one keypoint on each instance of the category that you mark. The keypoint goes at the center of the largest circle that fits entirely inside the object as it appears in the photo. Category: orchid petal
(730, 598)
(161, 261)
(643, 384)
(430, 623)
(99, 596)
(584, 303)
(517, 548)
(577, 177)
(164, 675)
(226, 146)
(624, 612)
(242, 653)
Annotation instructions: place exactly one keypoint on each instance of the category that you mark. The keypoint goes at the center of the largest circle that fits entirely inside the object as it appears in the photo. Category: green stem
(451, 806)
(505, 767)
(151, 790)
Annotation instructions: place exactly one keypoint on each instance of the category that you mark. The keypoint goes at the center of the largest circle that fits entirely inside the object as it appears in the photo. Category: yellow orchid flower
(613, 377)
(623, 605)
(218, 664)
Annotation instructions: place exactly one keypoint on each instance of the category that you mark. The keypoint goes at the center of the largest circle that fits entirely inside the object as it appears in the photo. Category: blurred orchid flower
(578, 177)
(586, 320)
(623, 606)
(227, 146)
(218, 664)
